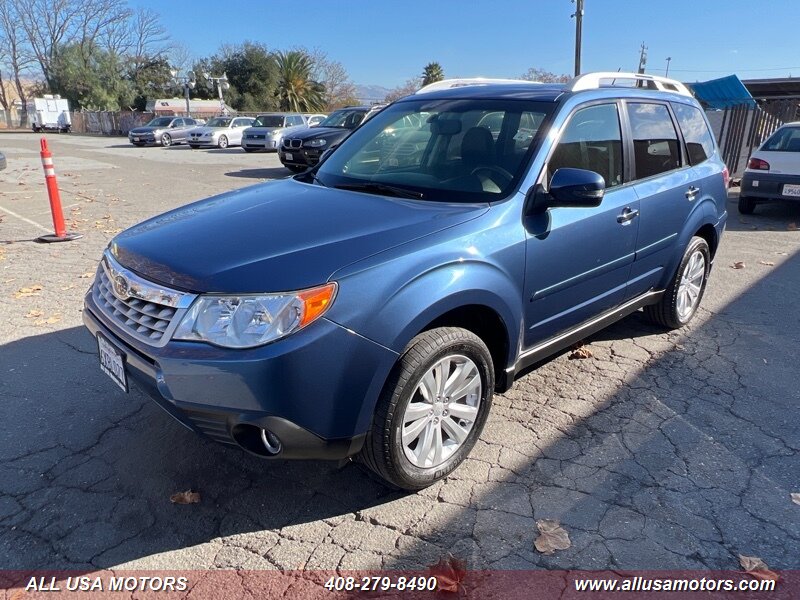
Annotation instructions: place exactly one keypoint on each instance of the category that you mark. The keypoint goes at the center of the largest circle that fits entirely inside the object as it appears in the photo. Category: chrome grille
(147, 311)
(292, 143)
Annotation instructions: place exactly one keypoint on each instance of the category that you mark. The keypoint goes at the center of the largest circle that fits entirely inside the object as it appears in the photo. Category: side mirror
(577, 188)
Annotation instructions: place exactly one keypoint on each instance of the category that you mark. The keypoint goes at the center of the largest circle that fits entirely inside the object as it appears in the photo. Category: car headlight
(207, 134)
(253, 320)
(317, 143)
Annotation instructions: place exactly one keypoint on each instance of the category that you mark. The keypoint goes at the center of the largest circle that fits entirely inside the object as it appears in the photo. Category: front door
(579, 259)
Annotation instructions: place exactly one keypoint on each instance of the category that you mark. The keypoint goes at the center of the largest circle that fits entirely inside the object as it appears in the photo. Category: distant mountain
(368, 94)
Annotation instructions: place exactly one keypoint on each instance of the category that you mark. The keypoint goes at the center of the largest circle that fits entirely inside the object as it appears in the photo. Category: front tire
(747, 205)
(682, 297)
(166, 140)
(432, 409)
(223, 141)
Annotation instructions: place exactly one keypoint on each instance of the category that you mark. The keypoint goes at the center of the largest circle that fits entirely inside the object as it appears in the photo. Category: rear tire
(453, 368)
(682, 297)
(747, 205)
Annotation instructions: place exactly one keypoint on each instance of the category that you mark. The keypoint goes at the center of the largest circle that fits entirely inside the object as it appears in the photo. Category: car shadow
(769, 216)
(105, 460)
(266, 173)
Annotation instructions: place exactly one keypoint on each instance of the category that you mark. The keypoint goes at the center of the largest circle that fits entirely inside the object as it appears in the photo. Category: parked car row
(262, 133)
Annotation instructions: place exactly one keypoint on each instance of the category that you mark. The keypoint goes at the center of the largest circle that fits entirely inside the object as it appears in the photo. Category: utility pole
(642, 58)
(578, 34)
(666, 73)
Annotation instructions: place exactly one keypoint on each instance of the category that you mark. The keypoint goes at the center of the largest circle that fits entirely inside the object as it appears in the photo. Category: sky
(386, 42)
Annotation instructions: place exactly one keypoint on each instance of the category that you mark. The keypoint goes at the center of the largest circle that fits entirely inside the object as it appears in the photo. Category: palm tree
(297, 91)
(433, 72)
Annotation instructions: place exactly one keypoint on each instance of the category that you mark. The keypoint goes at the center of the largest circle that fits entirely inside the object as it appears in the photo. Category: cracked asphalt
(661, 451)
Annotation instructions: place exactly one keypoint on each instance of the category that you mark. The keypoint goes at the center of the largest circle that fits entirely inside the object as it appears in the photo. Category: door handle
(627, 216)
(692, 192)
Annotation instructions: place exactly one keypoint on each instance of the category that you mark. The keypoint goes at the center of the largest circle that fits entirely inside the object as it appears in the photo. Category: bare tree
(15, 55)
(339, 89)
(180, 57)
(536, 74)
(149, 39)
(408, 88)
(51, 24)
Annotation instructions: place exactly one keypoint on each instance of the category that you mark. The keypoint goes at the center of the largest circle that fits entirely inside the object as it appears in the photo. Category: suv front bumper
(314, 390)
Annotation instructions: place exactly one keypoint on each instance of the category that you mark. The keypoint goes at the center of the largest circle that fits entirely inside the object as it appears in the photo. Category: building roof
(722, 93)
(781, 87)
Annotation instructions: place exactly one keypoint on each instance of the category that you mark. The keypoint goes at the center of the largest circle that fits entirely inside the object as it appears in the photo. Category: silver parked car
(165, 131)
(220, 132)
(269, 129)
(314, 119)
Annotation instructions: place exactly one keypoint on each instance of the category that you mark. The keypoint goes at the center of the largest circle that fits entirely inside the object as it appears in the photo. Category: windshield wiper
(381, 188)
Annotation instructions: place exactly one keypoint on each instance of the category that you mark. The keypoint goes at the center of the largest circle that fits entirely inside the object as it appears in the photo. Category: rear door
(578, 260)
(665, 185)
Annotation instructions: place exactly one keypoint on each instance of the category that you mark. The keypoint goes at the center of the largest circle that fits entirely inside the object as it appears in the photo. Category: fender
(703, 213)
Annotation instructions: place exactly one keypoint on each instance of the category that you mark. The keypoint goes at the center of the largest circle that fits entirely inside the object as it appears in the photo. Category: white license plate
(791, 190)
(112, 361)
(288, 156)
(135, 139)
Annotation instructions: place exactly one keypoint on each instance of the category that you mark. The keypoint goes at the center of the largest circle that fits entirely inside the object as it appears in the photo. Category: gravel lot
(661, 451)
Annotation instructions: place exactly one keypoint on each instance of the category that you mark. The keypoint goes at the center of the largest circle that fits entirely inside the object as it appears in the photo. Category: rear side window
(655, 141)
(591, 140)
(699, 142)
(786, 139)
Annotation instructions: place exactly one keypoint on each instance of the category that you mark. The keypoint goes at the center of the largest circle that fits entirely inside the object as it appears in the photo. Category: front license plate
(791, 190)
(112, 361)
(288, 156)
(135, 139)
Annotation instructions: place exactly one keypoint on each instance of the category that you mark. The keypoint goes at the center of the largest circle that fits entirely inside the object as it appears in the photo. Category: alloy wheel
(691, 285)
(442, 411)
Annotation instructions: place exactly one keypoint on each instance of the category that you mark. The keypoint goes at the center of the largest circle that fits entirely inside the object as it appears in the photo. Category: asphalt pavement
(660, 451)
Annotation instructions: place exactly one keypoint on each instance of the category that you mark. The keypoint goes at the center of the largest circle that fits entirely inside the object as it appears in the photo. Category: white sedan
(773, 171)
(220, 132)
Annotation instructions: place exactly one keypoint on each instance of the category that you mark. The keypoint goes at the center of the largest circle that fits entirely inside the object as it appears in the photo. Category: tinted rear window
(699, 142)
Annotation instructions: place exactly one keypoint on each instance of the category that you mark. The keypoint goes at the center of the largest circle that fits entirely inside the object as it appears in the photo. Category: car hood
(208, 129)
(320, 132)
(145, 129)
(277, 236)
(263, 130)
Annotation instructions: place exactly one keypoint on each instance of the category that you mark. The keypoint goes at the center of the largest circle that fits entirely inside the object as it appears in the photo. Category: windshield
(786, 139)
(160, 122)
(219, 122)
(268, 121)
(464, 150)
(348, 119)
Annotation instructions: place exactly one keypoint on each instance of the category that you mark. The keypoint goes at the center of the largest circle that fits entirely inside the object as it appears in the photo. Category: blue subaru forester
(370, 307)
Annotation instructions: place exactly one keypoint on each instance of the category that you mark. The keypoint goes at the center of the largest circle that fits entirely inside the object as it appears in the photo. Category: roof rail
(591, 81)
(446, 84)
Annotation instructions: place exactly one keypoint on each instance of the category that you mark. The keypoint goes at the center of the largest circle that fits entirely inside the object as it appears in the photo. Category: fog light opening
(270, 441)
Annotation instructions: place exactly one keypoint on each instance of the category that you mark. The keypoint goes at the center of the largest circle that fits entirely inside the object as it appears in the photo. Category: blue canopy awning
(722, 93)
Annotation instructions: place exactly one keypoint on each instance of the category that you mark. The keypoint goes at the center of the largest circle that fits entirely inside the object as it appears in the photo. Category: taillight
(726, 177)
(758, 164)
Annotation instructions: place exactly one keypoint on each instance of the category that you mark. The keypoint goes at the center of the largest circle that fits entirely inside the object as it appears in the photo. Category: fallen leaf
(782, 253)
(579, 352)
(187, 497)
(766, 263)
(757, 568)
(21, 183)
(68, 287)
(86, 275)
(27, 292)
(795, 497)
(738, 265)
(552, 537)
(34, 314)
(792, 227)
(449, 573)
